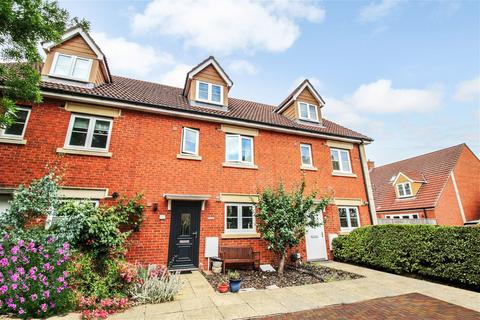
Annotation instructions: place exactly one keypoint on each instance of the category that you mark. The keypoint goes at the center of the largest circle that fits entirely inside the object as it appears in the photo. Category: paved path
(404, 307)
(198, 300)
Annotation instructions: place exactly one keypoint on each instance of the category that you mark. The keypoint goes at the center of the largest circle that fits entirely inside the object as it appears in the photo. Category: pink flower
(14, 286)
(33, 297)
(15, 249)
(44, 307)
(4, 262)
(46, 294)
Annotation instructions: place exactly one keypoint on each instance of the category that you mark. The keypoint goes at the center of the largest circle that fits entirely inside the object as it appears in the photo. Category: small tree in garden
(284, 216)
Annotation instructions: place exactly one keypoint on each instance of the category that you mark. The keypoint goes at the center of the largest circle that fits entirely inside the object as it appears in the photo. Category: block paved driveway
(198, 300)
(403, 307)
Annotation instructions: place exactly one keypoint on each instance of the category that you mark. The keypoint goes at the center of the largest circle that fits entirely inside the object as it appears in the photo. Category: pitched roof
(434, 168)
(166, 97)
(304, 84)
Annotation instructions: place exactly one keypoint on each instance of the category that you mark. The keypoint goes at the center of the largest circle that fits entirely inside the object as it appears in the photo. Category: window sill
(85, 152)
(13, 141)
(188, 157)
(308, 168)
(239, 165)
(344, 174)
(240, 235)
(345, 231)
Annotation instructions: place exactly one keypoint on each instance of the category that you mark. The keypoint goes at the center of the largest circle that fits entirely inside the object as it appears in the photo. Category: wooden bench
(239, 255)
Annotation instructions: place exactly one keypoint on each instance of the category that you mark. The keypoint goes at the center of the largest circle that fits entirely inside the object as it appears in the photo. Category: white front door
(315, 242)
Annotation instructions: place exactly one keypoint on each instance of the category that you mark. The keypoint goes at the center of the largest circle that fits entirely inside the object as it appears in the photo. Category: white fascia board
(216, 66)
(72, 33)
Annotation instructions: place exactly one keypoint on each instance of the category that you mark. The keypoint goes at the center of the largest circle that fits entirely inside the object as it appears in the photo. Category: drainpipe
(368, 183)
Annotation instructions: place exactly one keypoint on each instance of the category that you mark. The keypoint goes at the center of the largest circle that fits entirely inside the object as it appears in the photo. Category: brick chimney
(370, 164)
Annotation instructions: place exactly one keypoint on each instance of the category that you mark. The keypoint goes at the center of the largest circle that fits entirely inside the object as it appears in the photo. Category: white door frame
(321, 229)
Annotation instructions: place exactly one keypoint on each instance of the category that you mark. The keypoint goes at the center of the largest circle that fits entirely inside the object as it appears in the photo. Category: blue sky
(406, 73)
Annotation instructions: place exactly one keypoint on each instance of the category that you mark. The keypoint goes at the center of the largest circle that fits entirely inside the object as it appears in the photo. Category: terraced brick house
(442, 187)
(198, 155)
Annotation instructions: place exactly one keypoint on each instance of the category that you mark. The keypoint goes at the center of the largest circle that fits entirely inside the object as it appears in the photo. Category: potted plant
(234, 280)
(223, 286)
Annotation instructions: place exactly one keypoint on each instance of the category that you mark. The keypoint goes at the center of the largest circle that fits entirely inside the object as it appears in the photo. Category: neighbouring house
(443, 186)
(199, 156)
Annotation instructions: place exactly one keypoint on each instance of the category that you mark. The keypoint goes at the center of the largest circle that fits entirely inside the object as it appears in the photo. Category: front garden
(77, 262)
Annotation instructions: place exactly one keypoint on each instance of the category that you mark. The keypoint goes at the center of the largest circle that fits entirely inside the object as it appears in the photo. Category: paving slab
(196, 303)
(236, 311)
(226, 299)
(211, 313)
(162, 308)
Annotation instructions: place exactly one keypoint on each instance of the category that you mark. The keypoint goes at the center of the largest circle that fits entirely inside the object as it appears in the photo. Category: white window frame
(403, 216)
(74, 60)
(240, 137)
(53, 218)
(91, 127)
(347, 208)
(402, 186)
(342, 169)
(310, 116)
(210, 92)
(240, 218)
(309, 146)
(15, 136)
(197, 141)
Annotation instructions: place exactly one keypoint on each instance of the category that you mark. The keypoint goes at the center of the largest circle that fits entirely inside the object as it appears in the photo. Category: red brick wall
(144, 148)
(467, 176)
(447, 211)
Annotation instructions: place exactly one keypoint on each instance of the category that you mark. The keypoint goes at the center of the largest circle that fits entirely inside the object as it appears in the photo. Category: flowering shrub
(33, 277)
(155, 284)
(92, 309)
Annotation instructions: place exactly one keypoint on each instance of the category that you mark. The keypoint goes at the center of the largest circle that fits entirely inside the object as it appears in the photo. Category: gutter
(368, 184)
(165, 110)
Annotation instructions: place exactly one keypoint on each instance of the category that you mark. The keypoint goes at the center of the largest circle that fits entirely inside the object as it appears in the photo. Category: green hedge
(443, 253)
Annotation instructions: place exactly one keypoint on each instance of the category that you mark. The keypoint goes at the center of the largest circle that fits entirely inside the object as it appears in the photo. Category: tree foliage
(284, 217)
(23, 25)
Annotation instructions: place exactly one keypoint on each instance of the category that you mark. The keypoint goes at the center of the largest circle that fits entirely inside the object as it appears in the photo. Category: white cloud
(229, 25)
(131, 58)
(381, 97)
(243, 67)
(377, 10)
(176, 76)
(468, 91)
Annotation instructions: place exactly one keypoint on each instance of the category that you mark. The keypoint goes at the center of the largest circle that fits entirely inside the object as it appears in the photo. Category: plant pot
(223, 287)
(216, 264)
(235, 285)
(216, 270)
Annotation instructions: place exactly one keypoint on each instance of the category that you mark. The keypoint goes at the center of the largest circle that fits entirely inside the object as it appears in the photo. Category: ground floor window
(4, 203)
(349, 218)
(403, 216)
(239, 218)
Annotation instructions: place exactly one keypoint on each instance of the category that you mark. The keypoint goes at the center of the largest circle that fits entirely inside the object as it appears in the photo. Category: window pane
(353, 217)
(100, 134)
(400, 190)
(408, 192)
(313, 112)
(303, 110)
(247, 217)
(306, 158)
(232, 148)
(216, 95)
(247, 150)
(190, 141)
(342, 212)
(232, 217)
(203, 91)
(79, 132)
(185, 221)
(17, 127)
(81, 69)
(62, 66)
(335, 160)
(345, 161)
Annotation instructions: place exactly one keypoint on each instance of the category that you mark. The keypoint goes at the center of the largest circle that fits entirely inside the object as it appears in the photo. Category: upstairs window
(17, 129)
(239, 218)
(348, 218)
(209, 92)
(306, 153)
(404, 190)
(72, 67)
(307, 112)
(239, 149)
(340, 161)
(190, 139)
(88, 132)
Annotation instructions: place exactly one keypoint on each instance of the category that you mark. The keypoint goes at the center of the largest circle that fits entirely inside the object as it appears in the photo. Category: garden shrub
(440, 252)
(155, 284)
(33, 275)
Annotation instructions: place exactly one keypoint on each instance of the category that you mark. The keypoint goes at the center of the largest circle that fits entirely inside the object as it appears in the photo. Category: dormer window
(71, 67)
(404, 190)
(307, 112)
(209, 92)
